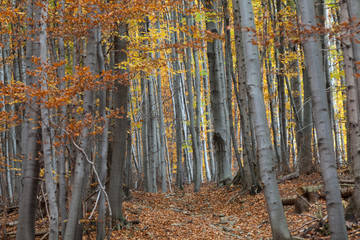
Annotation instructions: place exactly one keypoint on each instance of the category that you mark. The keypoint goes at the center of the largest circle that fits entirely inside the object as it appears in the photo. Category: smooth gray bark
(194, 135)
(177, 113)
(199, 114)
(46, 128)
(82, 157)
(320, 15)
(313, 60)
(121, 93)
(240, 87)
(102, 144)
(161, 121)
(264, 147)
(280, 76)
(31, 136)
(209, 120)
(144, 127)
(152, 143)
(229, 79)
(354, 14)
(63, 109)
(218, 103)
(305, 162)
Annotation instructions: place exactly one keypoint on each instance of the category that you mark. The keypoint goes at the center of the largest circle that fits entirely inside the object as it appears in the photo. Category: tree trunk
(297, 101)
(218, 104)
(177, 113)
(264, 147)
(121, 94)
(162, 132)
(102, 144)
(313, 60)
(194, 135)
(250, 180)
(306, 164)
(229, 80)
(62, 148)
(354, 14)
(82, 157)
(280, 75)
(31, 137)
(46, 135)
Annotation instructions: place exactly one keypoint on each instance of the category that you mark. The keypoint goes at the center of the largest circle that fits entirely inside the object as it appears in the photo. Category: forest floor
(216, 213)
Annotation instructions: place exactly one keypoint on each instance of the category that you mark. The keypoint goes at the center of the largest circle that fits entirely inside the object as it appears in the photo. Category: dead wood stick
(305, 215)
(346, 181)
(288, 200)
(45, 236)
(236, 195)
(297, 229)
(289, 177)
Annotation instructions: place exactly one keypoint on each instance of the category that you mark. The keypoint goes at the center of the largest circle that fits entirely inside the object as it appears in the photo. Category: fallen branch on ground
(237, 195)
(289, 177)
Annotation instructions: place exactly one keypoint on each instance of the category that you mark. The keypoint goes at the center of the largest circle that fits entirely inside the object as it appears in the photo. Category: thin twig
(101, 186)
(297, 229)
(45, 236)
(305, 215)
(96, 202)
(239, 194)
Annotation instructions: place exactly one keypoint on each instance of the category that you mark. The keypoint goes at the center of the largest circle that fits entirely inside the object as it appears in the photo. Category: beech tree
(221, 136)
(30, 164)
(266, 155)
(321, 117)
(353, 8)
(120, 132)
(99, 100)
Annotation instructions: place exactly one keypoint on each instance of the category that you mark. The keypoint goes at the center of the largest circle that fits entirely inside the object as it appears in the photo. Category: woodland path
(212, 213)
(209, 214)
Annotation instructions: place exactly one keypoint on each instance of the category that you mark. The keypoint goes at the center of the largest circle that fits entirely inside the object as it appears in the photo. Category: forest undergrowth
(211, 213)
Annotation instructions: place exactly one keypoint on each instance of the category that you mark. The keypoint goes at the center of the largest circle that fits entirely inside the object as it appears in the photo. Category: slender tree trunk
(161, 122)
(46, 132)
(250, 180)
(296, 102)
(194, 134)
(322, 123)
(31, 137)
(354, 14)
(321, 17)
(199, 114)
(274, 122)
(229, 76)
(209, 120)
(153, 150)
(144, 127)
(266, 155)
(62, 148)
(306, 165)
(82, 157)
(279, 56)
(103, 144)
(121, 93)
(178, 112)
(218, 103)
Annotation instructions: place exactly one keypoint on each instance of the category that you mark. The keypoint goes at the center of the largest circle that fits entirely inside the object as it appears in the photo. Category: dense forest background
(102, 99)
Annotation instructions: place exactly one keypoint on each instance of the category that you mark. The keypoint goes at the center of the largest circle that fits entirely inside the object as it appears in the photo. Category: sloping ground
(220, 213)
(212, 213)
